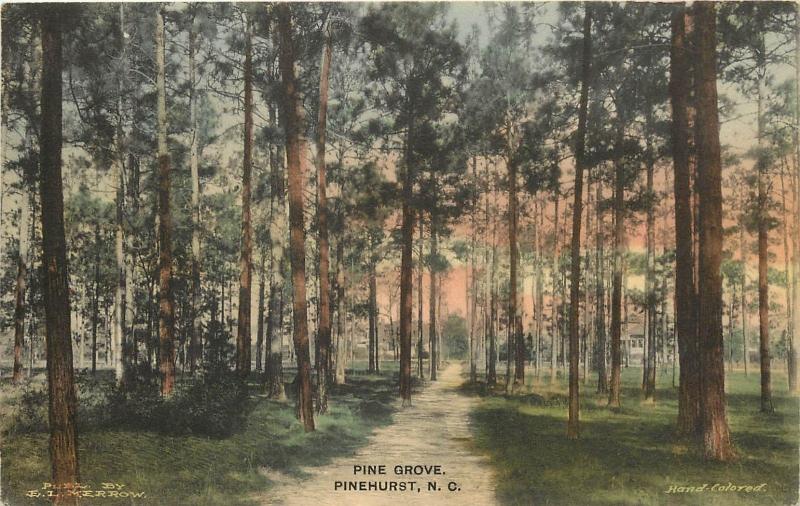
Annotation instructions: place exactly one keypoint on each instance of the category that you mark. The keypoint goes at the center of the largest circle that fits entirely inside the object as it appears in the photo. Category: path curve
(434, 431)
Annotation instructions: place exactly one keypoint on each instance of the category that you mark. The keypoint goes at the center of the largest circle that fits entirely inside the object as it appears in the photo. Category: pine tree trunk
(60, 378)
(341, 311)
(763, 244)
(260, 322)
(20, 288)
(619, 250)
(473, 287)
(420, 271)
(538, 306)
(553, 295)
(493, 330)
(716, 438)
(650, 383)
(373, 325)
(600, 291)
(577, 213)
(432, 301)
(194, 338)
(273, 364)
(120, 309)
(324, 331)
(790, 274)
(166, 319)
(743, 299)
(292, 117)
(514, 340)
(793, 374)
(688, 395)
(96, 296)
(243, 348)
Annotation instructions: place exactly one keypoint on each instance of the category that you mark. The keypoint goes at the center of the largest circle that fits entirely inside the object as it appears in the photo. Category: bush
(215, 405)
(32, 413)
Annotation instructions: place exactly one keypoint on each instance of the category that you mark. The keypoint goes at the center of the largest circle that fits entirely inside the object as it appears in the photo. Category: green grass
(632, 456)
(194, 470)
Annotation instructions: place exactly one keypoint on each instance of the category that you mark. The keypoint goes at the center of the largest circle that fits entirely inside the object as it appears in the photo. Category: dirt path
(434, 431)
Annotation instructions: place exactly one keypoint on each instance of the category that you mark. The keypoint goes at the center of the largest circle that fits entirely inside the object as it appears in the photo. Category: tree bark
(243, 351)
(96, 295)
(120, 330)
(166, 304)
(432, 300)
(514, 340)
(260, 322)
(420, 307)
(21, 288)
(650, 282)
(194, 338)
(763, 238)
(373, 314)
(743, 299)
(791, 364)
(686, 328)
(619, 250)
(573, 428)
(553, 295)
(293, 119)
(600, 291)
(473, 286)
(793, 374)
(60, 379)
(716, 438)
(273, 366)
(324, 332)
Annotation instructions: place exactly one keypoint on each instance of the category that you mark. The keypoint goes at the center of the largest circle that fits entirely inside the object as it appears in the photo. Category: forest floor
(434, 431)
(188, 469)
(633, 456)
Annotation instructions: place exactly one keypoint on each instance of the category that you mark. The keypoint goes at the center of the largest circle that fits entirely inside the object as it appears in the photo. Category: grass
(191, 470)
(632, 456)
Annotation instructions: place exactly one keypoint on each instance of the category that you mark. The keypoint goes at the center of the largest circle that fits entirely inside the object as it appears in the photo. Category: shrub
(32, 412)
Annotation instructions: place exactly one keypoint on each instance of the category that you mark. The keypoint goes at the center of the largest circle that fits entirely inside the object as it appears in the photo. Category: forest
(242, 243)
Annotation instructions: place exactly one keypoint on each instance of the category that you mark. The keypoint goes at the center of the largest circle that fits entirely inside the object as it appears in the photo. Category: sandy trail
(433, 431)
